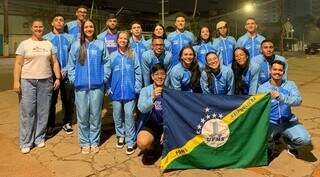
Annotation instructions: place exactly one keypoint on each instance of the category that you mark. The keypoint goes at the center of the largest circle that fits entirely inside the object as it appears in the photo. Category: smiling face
(205, 33)
(213, 61)
(158, 46)
(267, 49)
(251, 26)
(88, 29)
(159, 77)
(180, 23)
(81, 14)
(58, 23)
(240, 57)
(276, 71)
(187, 57)
(37, 29)
(123, 40)
(158, 31)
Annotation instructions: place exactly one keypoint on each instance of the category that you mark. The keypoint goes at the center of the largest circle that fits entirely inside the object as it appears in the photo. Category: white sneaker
(120, 142)
(41, 145)
(25, 150)
(67, 128)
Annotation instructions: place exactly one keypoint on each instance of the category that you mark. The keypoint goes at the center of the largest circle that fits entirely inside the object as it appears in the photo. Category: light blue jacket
(180, 78)
(225, 47)
(149, 59)
(167, 44)
(201, 52)
(222, 83)
(178, 41)
(62, 43)
(281, 107)
(91, 74)
(124, 74)
(138, 47)
(145, 102)
(250, 79)
(265, 67)
(74, 29)
(252, 44)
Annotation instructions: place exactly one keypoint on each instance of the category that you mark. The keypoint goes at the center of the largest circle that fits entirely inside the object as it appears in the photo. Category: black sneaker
(120, 142)
(67, 128)
(293, 152)
(129, 151)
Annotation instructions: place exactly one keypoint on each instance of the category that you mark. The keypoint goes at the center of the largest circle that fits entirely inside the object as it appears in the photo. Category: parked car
(312, 48)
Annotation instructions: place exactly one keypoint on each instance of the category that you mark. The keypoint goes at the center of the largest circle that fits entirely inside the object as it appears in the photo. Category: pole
(5, 29)
(162, 12)
(282, 28)
(92, 5)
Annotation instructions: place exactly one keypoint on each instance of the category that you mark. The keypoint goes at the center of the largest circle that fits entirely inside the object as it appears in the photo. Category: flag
(214, 131)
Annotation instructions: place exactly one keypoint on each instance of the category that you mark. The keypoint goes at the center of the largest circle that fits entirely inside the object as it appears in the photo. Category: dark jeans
(67, 97)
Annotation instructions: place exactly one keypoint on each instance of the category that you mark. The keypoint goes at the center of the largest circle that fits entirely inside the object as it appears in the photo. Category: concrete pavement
(62, 156)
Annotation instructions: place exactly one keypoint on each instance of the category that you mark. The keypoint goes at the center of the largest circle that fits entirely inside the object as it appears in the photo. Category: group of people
(83, 66)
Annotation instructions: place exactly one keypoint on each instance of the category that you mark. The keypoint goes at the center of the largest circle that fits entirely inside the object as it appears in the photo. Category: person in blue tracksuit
(284, 94)
(110, 35)
(150, 135)
(159, 31)
(154, 56)
(125, 79)
(74, 27)
(251, 40)
(180, 38)
(246, 73)
(264, 60)
(185, 76)
(137, 42)
(204, 45)
(62, 43)
(216, 79)
(224, 43)
(86, 70)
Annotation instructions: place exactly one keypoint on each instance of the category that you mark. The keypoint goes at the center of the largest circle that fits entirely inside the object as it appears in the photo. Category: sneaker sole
(119, 147)
(68, 133)
(129, 153)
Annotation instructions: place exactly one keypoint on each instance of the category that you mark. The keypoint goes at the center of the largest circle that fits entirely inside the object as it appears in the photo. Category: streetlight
(248, 7)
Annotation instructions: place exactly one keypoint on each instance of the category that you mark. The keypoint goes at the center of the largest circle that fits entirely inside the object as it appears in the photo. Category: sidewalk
(62, 156)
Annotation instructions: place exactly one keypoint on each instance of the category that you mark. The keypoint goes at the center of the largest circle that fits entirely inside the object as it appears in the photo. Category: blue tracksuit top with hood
(110, 39)
(225, 46)
(92, 73)
(222, 83)
(265, 67)
(180, 79)
(167, 44)
(149, 59)
(74, 29)
(281, 107)
(138, 47)
(62, 44)
(124, 74)
(178, 41)
(252, 44)
(250, 79)
(201, 51)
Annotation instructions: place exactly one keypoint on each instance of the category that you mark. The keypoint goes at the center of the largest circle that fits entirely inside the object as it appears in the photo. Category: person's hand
(275, 94)
(157, 92)
(56, 84)
(16, 87)
(161, 139)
